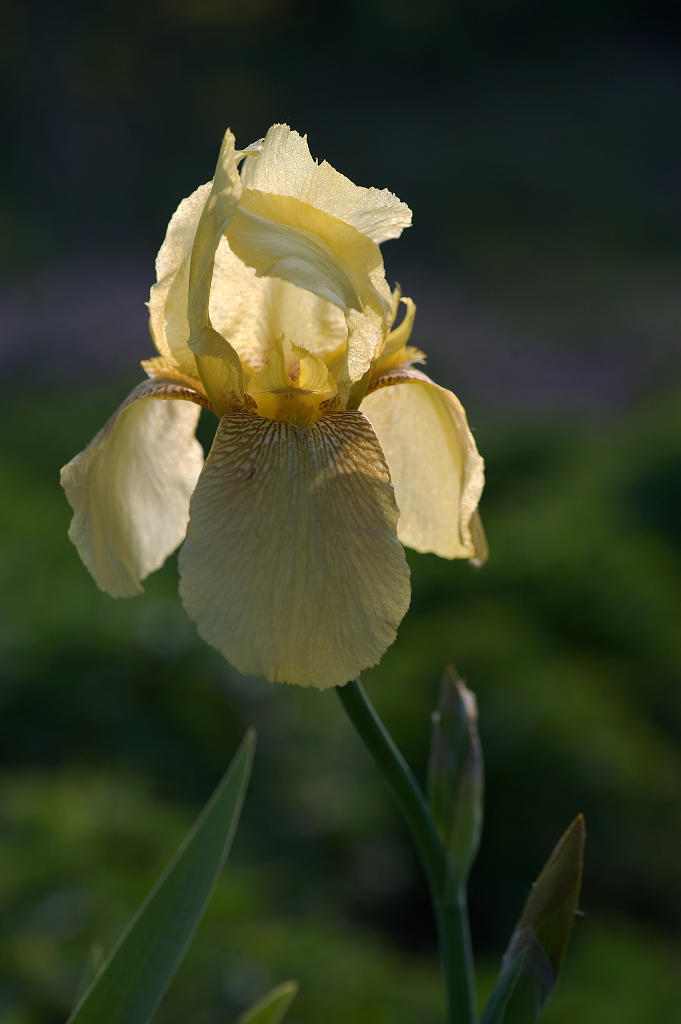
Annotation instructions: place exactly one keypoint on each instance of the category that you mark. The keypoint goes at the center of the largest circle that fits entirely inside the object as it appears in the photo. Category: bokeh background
(539, 146)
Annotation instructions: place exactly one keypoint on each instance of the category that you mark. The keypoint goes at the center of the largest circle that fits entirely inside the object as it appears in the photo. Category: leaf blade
(272, 1007)
(131, 983)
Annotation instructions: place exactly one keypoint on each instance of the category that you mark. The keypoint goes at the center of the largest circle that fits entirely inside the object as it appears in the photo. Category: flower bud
(456, 777)
(534, 955)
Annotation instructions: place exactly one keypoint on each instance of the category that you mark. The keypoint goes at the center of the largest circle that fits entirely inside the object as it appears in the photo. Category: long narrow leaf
(135, 976)
(94, 961)
(272, 1007)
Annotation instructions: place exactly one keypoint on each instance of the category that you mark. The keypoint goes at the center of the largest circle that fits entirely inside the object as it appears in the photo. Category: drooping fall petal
(434, 464)
(292, 567)
(130, 488)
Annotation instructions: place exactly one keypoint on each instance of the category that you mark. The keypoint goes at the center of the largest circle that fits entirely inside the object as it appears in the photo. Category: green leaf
(272, 1007)
(456, 777)
(541, 936)
(135, 976)
(94, 961)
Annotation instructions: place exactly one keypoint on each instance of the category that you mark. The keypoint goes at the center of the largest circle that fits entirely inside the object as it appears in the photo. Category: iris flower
(271, 309)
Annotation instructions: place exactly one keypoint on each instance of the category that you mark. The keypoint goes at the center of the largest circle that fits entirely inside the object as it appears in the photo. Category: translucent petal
(434, 464)
(226, 387)
(313, 250)
(292, 567)
(168, 297)
(283, 237)
(130, 488)
(273, 376)
(161, 369)
(285, 167)
(314, 373)
(251, 312)
(277, 250)
(365, 337)
(394, 349)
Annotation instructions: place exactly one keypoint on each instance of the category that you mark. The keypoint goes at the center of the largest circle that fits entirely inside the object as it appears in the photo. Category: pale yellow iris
(271, 309)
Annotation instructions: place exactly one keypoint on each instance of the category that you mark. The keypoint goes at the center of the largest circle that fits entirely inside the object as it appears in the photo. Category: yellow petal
(285, 167)
(168, 297)
(130, 488)
(434, 464)
(395, 351)
(479, 539)
(317, 252)
(273, 376)
(161, 369)
(365, 337)
(281, 236)
(250, 312)
(225, 386)
(298, 401)
(314, 373)
(291, 567)
(294, 254)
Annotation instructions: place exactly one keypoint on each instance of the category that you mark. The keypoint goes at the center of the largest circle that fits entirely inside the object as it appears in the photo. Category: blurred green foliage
(117, 722)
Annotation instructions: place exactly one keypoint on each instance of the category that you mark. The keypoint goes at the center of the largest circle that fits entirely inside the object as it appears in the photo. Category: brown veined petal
(130, 488)
(434, 464)
(168, 297)
(292, 567)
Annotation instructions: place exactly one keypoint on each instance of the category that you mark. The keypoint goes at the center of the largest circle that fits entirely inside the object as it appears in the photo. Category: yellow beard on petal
(291, 406)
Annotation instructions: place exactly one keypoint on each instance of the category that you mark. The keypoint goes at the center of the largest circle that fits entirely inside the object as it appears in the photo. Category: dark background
(539, 146)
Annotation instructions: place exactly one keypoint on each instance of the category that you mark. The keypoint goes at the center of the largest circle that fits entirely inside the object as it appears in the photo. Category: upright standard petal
(130, 488)
(292, 567)
(168, 297)
(284, 166)
(251, 312)
(434, 464)
(217, 361)
(280, 236)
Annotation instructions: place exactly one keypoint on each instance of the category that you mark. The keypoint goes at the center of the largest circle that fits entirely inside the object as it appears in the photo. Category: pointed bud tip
(456, 774)
(552, 902)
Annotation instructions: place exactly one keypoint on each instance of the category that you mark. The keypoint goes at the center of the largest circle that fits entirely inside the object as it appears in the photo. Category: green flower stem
(457, 958)
(451, 914)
